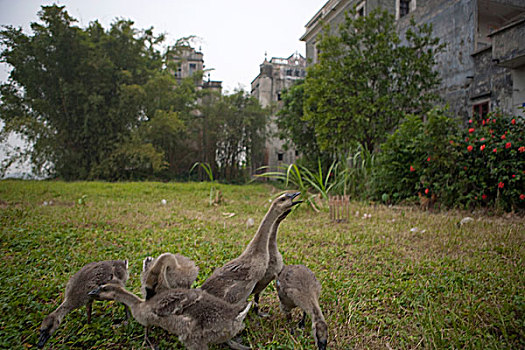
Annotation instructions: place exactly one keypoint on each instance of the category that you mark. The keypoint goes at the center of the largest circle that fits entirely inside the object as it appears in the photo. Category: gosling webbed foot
(237, 346)
(262, 314)
(147, 341)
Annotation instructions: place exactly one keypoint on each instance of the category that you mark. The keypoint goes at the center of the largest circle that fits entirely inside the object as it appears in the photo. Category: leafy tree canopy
(75, 94)
(367, 79)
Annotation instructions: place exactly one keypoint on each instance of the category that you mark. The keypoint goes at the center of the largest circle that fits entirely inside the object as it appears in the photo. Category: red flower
(469, 148)
(493, 120)
(501, 185)
(482, 139)
(426, 190)
(428, 159)
(483, 196)
(471, 130)
(522, 196)
(513, 176)
(491, 131)
(513, 121)
(521, 149)
(495, 150)
(508, 145)
(470, 121)
(482, 147)
(483, 122)
(412, 168)
(466, 139)
(503, 137)
(451, 142)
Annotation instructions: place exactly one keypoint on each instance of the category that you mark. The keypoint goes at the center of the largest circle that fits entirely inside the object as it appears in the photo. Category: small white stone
(164, 202)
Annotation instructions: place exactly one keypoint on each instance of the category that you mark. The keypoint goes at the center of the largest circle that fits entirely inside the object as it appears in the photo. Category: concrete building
(275, 76)
(483, 65)
(189, 61)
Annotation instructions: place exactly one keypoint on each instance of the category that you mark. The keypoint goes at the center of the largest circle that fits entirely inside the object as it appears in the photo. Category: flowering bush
(416, 159)
(491, 162)
(481, 165)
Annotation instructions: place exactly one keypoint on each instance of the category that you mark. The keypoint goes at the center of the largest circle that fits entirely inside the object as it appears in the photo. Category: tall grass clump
(214, 190)
(355, 171)
(311, 183)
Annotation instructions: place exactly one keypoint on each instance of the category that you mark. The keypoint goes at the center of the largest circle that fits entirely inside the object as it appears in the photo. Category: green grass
(383, 285)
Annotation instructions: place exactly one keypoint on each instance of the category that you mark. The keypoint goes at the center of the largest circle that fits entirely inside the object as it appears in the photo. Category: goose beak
(95, 292)
(44, 336)
(292, 197)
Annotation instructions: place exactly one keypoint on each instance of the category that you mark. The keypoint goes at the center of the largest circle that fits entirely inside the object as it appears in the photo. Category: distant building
(483, 65)
(189, 61)
(275, 76)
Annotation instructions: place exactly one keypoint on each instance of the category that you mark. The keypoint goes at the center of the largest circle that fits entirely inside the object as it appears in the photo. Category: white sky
(233, 34)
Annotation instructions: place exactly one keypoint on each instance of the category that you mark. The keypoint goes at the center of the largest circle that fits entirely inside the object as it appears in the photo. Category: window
(280, 157)
(360, 10)
(480, 110)
(193, 68)
(404, 7)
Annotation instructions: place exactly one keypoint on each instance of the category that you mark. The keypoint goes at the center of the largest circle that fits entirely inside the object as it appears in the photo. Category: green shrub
(417, 157)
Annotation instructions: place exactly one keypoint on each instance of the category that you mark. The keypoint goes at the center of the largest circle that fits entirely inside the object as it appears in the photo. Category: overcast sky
(233, 34)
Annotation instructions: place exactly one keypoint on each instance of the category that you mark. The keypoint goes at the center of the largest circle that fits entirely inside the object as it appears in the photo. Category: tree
(241, 135)
(367, 79)
(76, 95)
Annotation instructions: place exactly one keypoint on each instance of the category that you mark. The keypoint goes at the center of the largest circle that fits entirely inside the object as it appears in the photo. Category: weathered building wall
(454, 23)
(468, 28)
(275, 76)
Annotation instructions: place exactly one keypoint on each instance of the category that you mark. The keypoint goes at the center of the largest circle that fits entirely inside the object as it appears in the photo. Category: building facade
(483, 65)
(275, 76)
(188, 61)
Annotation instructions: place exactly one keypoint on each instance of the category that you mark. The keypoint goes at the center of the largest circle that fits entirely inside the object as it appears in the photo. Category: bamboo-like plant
(305, 180)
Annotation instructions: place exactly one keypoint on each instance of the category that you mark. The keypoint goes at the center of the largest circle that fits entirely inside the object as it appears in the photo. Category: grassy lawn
(384, 284)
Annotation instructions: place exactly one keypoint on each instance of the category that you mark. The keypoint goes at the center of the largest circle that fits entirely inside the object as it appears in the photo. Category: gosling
(275, 264)
(298, 287)
(195, 316)
(235, 281)
(77, 288)
(167, 271)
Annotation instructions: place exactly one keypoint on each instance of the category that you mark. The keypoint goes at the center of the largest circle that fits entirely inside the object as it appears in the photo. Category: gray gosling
(88, 277)
(196, 317)
(167, 271)
(234, 282)
(298, 287)
(275, 264)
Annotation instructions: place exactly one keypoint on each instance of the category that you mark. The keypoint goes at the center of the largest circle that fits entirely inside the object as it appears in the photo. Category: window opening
(480, 111)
